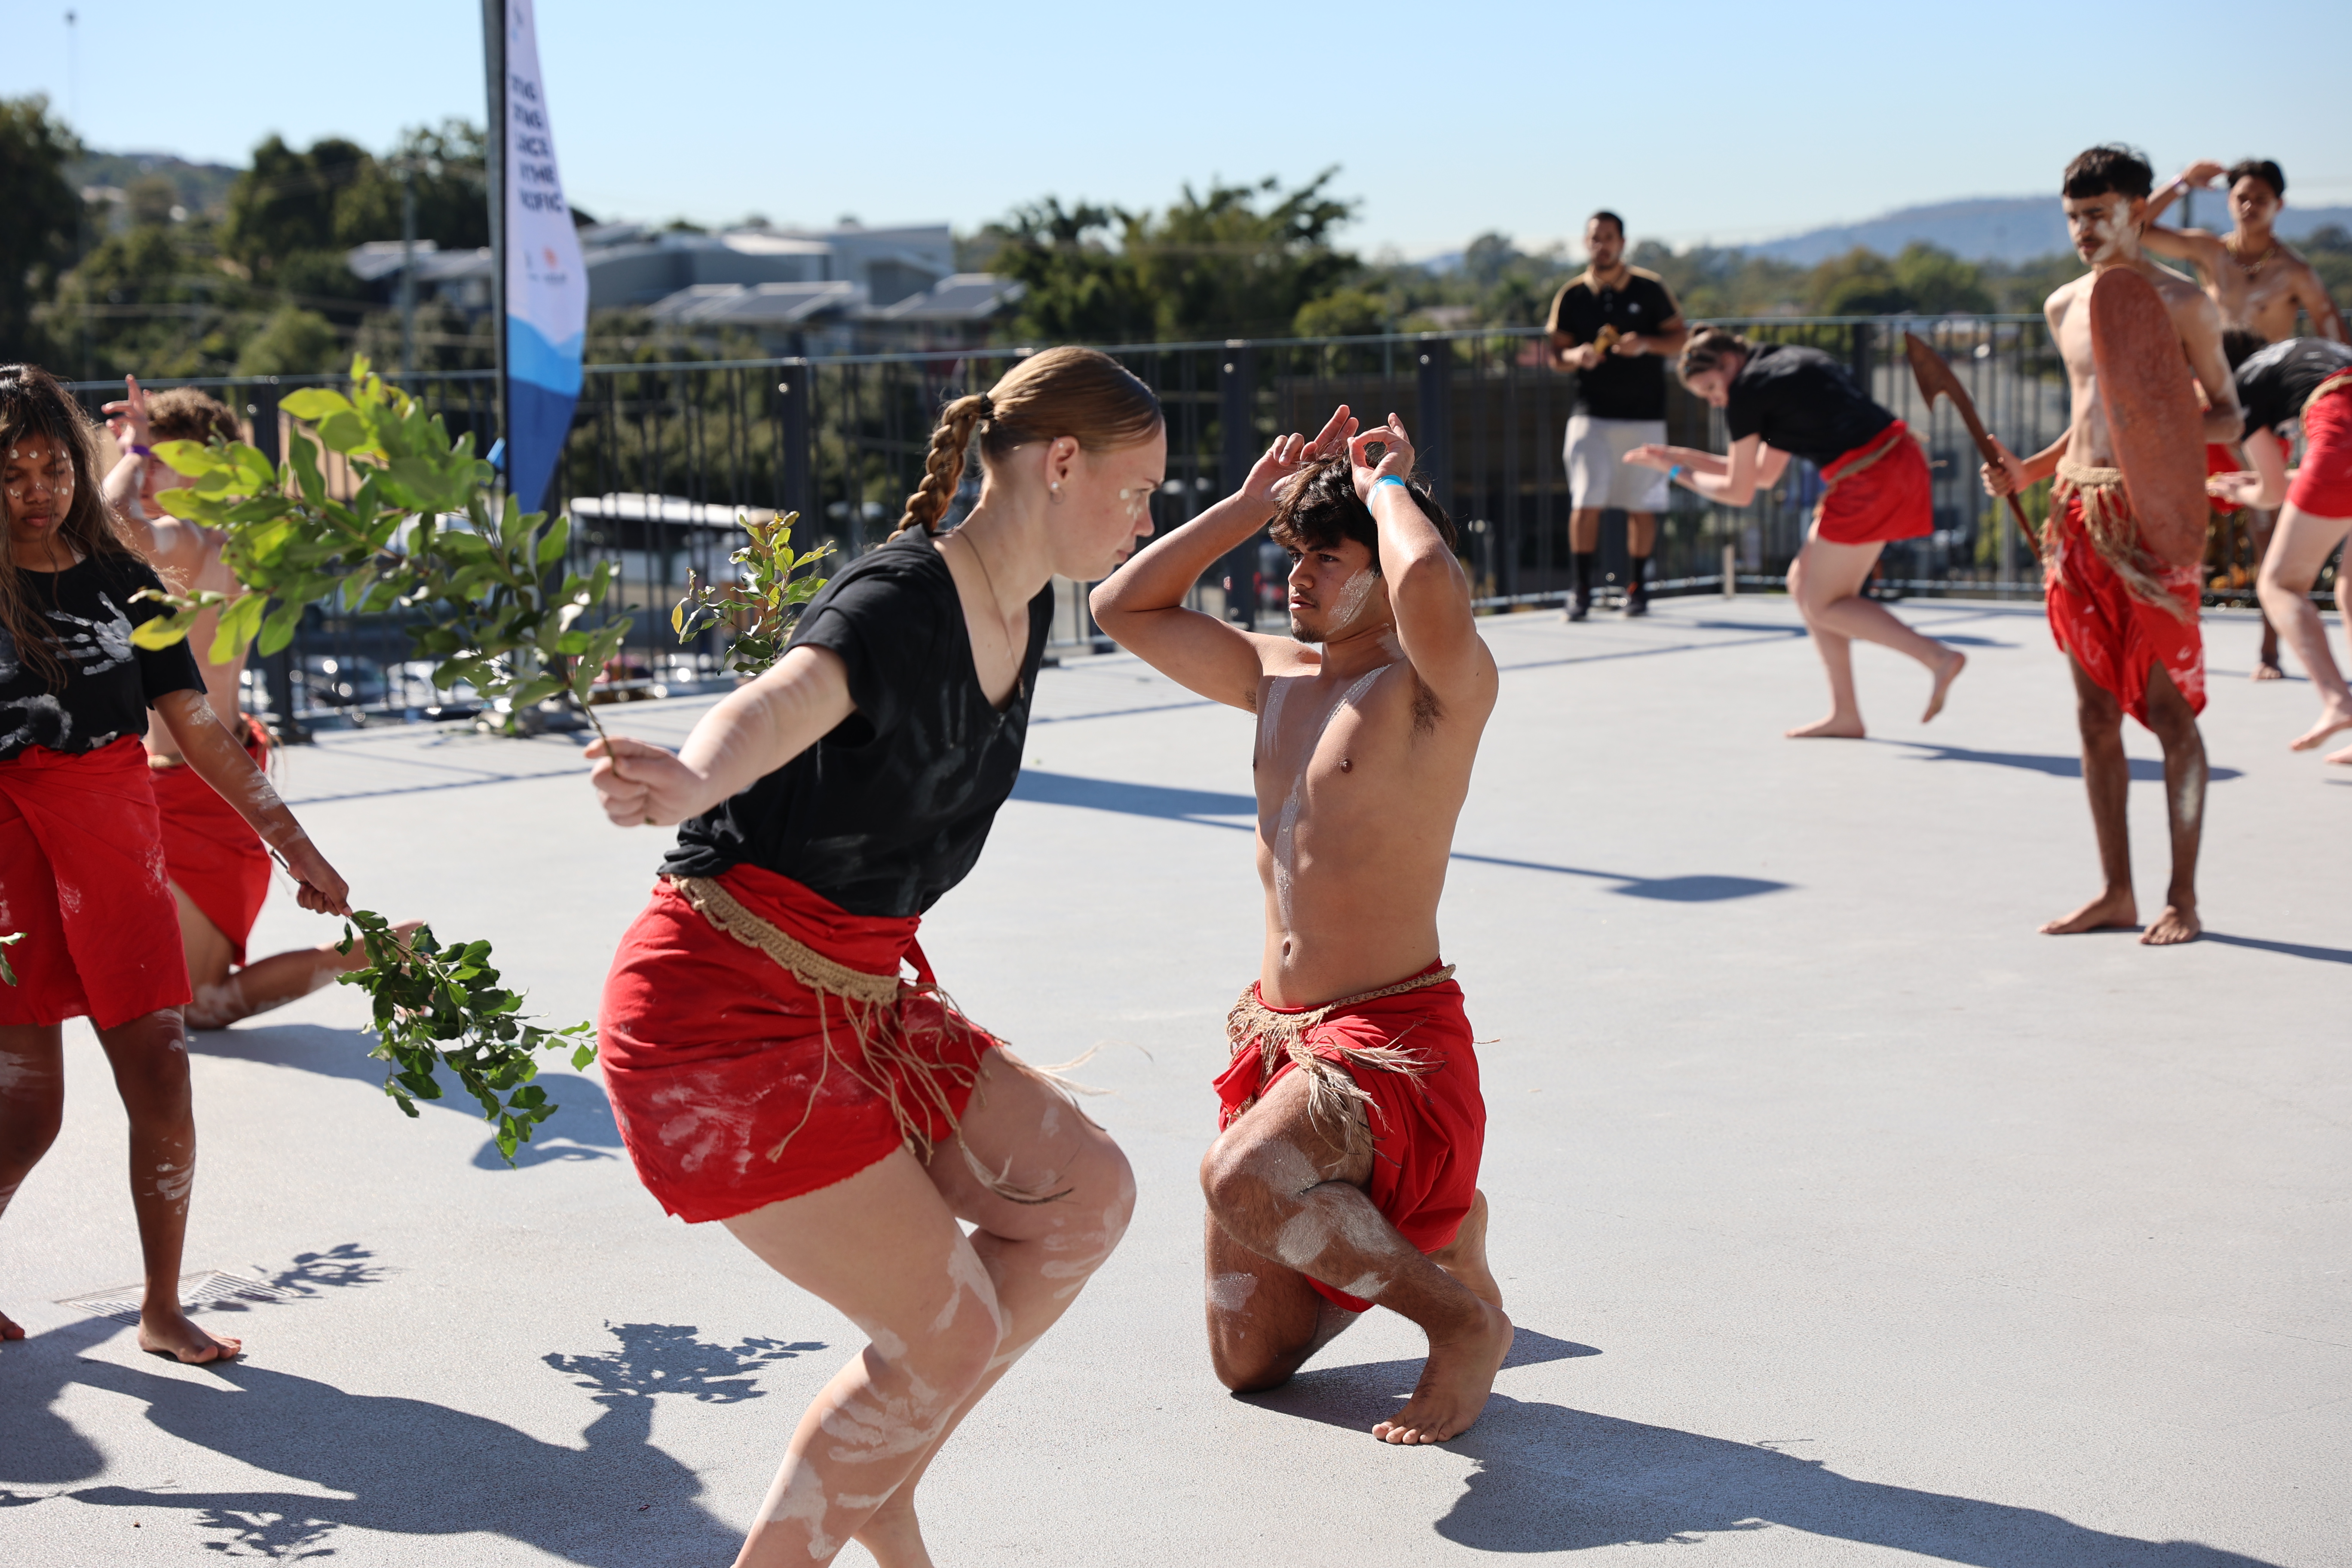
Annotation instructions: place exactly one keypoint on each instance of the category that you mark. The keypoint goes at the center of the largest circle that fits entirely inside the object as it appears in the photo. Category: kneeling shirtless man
(1346, 1169)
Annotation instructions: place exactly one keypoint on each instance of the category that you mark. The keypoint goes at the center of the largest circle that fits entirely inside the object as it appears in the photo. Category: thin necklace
(2230, 243)
(990, 577)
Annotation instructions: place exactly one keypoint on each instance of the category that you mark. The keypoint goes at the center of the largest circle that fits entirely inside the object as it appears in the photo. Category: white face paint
(1354, 594)
(1231, 1292)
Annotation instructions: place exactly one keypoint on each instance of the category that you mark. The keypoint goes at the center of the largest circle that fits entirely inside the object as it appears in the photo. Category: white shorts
(1598, 474)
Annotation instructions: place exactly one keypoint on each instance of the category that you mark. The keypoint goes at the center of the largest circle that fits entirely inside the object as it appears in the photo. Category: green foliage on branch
(443, 1006)
(764, 600)
(7, 974)
(417, 534)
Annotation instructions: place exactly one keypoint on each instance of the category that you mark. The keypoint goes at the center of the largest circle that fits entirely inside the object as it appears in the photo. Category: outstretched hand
(1382, 452)
(2239, 488)
(317, 887)
(643, 785)
(1649, 455)
(126, 417)
(1290, 454)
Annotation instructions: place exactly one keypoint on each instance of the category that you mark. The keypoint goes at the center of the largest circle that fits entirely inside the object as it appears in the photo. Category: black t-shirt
(1622, 386)
(110, 682)
(889, 811)
(2274, 384)
(1801, 402)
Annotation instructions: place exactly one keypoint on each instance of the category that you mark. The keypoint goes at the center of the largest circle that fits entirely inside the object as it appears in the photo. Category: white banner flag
(547, 282)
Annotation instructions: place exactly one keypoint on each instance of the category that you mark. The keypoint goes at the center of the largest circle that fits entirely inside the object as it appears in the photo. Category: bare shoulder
(2177, 288)
(2055, 308)
(2192, 309)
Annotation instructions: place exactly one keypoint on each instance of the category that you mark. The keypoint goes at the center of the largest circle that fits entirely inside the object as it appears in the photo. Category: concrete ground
(1845, 1218)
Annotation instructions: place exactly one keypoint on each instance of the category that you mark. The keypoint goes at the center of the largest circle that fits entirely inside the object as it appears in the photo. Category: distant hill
(1999, 228)
(204, 188)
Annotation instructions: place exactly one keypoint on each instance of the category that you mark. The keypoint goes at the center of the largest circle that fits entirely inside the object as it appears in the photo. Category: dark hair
(2261, 169)
(2238, 345)
(2109, 167)
(1705, 349)
(185, 413)
(1080, 392)
(1605, 215)
(32, 404)
(1322, 508)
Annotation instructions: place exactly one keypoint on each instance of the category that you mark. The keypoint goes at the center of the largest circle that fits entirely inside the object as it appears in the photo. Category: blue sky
(1748, 121)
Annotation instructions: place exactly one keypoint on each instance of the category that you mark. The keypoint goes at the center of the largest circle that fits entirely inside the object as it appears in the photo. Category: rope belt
(1895, 433)
(2337, 382)
(2113, 533)
(1334, 1100)
(803, 962)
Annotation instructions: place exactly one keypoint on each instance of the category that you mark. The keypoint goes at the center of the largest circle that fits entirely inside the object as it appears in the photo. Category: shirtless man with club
(1345, 1172)
(2125, 616)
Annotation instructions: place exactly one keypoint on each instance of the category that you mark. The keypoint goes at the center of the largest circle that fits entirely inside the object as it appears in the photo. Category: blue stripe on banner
(541, 418)
(531, 357)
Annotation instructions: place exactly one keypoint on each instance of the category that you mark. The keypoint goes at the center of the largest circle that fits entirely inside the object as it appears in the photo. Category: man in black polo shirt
(1616, 327)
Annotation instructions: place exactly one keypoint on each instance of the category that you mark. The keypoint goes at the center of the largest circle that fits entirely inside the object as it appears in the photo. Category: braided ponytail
(943, 469)
(1083, 393)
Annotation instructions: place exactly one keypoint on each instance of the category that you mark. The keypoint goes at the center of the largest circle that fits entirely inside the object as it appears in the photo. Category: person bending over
(769, 1068)
(1350, 1125)
(219, 866)
(2127, 621)
(1615, 327)
(81, 858)
(2310, 379)
(1783, 400)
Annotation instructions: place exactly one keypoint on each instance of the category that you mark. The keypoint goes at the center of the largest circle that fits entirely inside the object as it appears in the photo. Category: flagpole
(494, 66)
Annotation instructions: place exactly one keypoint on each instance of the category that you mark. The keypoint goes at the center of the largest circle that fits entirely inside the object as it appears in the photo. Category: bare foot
(1466, 1259)
(10, 1328)
(180, 1339)
(1455, 1384)
(2331, 720)
(893, 1535)
(1832, 728)
(2177, 924)
(2264, 671)
(2108, 912)
(1947, 671)
(2342, 759)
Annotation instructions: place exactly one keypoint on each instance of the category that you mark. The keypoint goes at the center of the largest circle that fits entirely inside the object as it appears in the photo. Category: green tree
(444, 166)
(1216, 265)
(1926, 279)
(1078, 288)
(43, 215)
(285, 204)
(294, 341)
(1349, 312)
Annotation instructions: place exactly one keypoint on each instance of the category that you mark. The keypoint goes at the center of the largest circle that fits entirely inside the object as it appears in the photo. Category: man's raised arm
(1428, 591)
(1141, 606)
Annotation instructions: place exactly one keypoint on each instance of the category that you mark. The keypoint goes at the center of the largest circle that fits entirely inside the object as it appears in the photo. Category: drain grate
(210, 1288)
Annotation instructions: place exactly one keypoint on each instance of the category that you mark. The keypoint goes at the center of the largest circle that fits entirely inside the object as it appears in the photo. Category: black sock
(1581, 569)
(1638, 577)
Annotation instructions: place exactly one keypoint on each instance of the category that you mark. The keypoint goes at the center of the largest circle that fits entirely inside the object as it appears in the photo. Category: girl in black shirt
(2308, 379)
(1783, 401)
(83, 880)
(768, 1066)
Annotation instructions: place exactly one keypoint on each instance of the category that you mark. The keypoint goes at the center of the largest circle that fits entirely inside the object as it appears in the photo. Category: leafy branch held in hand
(762, 603)
(440, 1006)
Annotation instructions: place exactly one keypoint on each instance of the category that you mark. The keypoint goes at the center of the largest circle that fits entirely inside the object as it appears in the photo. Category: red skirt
(736, 1086)
(2113, 633)
(82, 876)
(2323, 483)
(213, 854)
(1428, 1128)
(1878, 493)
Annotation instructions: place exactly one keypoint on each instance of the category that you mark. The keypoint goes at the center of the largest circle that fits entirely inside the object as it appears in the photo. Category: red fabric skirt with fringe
(737, 1083)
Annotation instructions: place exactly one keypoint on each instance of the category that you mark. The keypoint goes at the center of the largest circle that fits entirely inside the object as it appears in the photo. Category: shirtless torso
(2255, 278)
(1369, 716)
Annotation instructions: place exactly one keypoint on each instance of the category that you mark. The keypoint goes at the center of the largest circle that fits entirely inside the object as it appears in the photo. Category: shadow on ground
(2145, 769)
(1555, 1479)
(1207, 807)
(408, 1467)
(581, 1128)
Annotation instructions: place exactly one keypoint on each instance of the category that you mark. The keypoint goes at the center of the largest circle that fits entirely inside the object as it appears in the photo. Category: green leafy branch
(419, 533)
(763, 601)
(8, 975)
(439, 1005)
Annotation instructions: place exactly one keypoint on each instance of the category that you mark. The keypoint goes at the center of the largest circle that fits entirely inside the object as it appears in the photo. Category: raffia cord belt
(2341, 380)
(1334, 1100)
(870, 1008)
(2113, 532)
(1895, 433)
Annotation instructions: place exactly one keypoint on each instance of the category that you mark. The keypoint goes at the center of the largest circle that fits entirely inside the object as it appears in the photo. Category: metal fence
(662, 456)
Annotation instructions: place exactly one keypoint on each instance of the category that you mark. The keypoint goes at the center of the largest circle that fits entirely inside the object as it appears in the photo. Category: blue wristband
(1674, 473)
(1391, 480)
